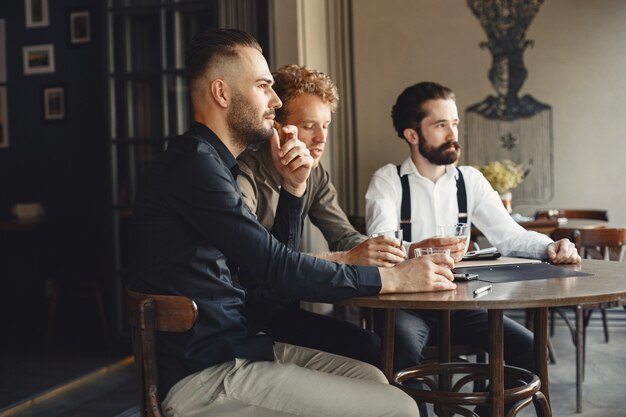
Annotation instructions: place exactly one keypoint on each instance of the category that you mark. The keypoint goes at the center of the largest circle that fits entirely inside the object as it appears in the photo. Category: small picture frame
(80, 27)
(54, 103)
(37, 15)
(38, 59)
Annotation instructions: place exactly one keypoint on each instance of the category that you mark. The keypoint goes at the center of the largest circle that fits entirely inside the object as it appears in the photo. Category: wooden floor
(113, 393)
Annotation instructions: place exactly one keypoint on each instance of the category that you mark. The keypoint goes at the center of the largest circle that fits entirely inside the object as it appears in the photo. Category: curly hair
(408, 111)
(294, 80)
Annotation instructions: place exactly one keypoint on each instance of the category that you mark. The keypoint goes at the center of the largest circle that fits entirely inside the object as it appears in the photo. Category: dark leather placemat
(524, 272)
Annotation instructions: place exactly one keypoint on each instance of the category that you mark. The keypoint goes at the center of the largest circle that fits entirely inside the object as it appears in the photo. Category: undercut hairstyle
(210, 47)
(408, 112)
(293, 80)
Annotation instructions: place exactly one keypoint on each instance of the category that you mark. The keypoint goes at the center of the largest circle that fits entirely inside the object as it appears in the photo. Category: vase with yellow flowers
(503, 176)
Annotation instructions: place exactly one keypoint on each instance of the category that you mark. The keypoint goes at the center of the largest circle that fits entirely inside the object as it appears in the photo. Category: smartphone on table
(465, 277)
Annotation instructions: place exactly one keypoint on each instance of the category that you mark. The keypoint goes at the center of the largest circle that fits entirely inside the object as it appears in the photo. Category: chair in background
(79, 284)
(605, 244)
(572, 214)
(148, 314)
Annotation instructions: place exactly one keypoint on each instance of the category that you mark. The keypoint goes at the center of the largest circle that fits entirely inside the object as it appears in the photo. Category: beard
(244, 124)
(440, 155)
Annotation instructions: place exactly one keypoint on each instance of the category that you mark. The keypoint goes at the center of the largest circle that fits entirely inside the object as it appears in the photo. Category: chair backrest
(147, 314)
(572, 214)
(601, 243)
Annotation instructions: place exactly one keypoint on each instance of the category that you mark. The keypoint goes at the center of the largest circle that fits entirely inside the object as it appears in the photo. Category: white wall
(577, 66)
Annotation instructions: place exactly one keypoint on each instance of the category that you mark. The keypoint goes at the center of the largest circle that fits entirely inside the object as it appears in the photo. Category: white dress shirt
(436, 203)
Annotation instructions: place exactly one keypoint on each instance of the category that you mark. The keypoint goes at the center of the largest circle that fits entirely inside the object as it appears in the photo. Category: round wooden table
(608, 284)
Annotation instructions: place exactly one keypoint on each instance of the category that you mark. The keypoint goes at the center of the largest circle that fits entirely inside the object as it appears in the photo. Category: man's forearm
(340, 257)
(288, 220)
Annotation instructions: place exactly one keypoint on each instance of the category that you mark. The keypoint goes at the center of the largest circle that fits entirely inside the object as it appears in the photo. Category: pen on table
(482, 289)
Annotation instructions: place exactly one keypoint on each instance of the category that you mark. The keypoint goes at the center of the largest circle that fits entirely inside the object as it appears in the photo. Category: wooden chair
(605, 244)
(451, 399)
(147, 314)
(572, 214)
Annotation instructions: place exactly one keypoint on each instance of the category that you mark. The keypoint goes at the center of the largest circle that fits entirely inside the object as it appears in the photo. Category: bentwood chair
(605, 244)
(148, 314)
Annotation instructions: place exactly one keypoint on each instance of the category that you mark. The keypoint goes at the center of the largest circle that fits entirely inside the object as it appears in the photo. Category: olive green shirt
(260, 185)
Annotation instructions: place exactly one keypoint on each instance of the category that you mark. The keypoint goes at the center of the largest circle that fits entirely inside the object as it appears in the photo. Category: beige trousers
(301, 382)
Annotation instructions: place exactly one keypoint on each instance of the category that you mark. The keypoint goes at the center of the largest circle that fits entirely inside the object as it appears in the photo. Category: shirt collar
(207, 134)
(408, 168)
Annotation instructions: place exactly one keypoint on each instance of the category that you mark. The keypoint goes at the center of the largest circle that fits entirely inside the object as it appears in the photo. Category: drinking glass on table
(458, 230)
(431, 251)
(396, 234)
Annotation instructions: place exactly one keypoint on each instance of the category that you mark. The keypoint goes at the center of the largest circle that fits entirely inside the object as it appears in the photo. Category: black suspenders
(405, 207)
(461, 197)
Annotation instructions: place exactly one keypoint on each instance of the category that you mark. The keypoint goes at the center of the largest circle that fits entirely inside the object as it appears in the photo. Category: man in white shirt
(426, 117)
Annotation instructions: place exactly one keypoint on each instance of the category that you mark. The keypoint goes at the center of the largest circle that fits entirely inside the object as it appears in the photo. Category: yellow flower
(503, 175)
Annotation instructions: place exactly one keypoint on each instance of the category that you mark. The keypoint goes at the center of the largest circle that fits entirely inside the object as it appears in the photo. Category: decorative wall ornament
(505, 125)
(505, 23)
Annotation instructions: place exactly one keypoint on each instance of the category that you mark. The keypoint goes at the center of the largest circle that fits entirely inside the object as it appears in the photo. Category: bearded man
(428, 189)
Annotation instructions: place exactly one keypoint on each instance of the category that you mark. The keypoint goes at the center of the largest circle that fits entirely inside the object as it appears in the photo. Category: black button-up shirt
(192, 235)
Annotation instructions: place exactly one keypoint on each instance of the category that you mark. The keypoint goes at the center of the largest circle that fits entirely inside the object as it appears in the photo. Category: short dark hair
(408, 112)
(214, 44)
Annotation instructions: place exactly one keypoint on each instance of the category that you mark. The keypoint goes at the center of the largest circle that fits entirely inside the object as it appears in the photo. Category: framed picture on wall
(36, 13)
(54, 103)
(4, 119)
(38, 59)
(80, 27)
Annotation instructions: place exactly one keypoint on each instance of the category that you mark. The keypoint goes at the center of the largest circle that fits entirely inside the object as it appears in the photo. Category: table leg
(580, 357)
(389, 333)
(496, 363)
(540, 331)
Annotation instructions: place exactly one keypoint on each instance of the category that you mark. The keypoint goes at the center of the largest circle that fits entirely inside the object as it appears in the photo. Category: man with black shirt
(193, 235)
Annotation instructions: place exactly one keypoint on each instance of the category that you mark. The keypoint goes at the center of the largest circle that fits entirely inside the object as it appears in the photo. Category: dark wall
(61, 164)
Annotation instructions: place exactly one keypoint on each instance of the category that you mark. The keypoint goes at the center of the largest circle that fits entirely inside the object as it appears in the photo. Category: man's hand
(562, 252)
(291, 159)
(456, 246)
(426, 273)
(383, 251)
